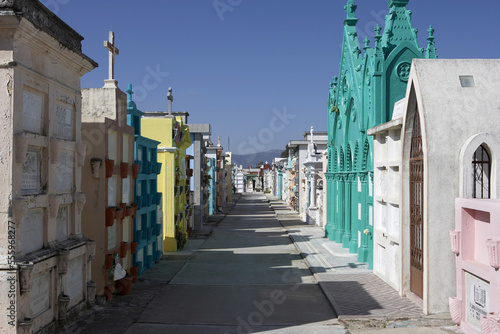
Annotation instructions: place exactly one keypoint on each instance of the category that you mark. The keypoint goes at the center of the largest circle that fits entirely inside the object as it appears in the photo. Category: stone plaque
(477, 300)
(64, 122)
(64, 171)
(40, 294)
(74, 279)
(32, 112)
(112, 236)
(31, 172)
(112, 191)
(393, 227)
(32, 231)
(62, 223)
(126, 190)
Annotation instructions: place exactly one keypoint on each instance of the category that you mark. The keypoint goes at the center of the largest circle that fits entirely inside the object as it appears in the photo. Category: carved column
(348, 210)
(312, 191)
(339, 234)
(330, 202)
(365, 228)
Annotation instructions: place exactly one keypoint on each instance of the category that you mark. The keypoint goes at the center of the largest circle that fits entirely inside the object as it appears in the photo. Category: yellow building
(171, 131)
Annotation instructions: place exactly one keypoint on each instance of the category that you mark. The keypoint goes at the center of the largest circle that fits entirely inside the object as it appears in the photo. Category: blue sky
(257, 70)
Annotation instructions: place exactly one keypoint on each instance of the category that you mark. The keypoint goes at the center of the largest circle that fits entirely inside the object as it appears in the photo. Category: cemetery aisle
(247, 277)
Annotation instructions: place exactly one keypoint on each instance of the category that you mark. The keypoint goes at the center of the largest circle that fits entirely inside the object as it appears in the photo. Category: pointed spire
(398, 27)
(350, 10)
(431, 45)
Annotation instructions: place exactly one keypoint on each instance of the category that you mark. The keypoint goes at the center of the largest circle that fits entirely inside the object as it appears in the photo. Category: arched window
(481, 169)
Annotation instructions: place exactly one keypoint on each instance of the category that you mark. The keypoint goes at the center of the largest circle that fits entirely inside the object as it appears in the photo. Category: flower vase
(110, 166)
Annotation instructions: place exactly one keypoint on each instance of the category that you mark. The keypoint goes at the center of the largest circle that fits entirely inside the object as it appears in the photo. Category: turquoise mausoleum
(370, 81)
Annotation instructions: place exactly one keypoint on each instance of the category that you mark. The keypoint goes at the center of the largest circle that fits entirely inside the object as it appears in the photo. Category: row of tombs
(94, 190)
(409, 168)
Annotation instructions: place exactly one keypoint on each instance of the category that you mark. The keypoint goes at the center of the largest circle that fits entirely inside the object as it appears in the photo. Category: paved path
(247, 277)
(362, 301)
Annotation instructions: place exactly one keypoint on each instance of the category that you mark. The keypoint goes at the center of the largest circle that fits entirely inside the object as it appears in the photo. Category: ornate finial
(378, 37)
(367, 43)
(431, 45)
(431, 32)
(130, 92)
(350, 10)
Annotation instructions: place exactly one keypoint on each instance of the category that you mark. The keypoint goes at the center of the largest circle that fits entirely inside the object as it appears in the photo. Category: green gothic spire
(350, 10)
(398, 27)
(431, 45)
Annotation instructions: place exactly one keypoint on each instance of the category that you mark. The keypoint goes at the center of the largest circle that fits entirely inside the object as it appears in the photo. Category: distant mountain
(253, 159)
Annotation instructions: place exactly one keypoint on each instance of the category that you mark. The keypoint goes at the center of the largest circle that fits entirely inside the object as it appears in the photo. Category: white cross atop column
(113, 50)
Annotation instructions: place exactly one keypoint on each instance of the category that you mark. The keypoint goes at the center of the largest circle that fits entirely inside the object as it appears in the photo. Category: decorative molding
(62, 261)
(20, 208)
(81, 151)
(91, 245)
(54, 202)
(80, 201)
(25, 271)
(21, 142)
(493, 252)
(455, 309)
(455, 241)
(490, 323)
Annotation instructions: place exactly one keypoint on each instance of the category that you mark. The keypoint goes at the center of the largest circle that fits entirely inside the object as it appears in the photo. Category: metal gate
(416, 209)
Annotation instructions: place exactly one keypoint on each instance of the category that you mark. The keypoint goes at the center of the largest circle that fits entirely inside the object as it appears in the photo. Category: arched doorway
(416, 209)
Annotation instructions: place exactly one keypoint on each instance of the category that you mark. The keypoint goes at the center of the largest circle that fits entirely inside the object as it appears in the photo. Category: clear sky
(257, 70)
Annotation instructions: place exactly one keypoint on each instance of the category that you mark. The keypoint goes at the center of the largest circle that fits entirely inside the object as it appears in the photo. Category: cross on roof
(113, 50)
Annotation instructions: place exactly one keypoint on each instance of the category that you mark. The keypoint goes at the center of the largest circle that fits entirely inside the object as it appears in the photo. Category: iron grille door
(416, 209)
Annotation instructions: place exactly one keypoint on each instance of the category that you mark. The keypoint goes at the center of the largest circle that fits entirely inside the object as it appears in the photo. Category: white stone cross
(113, 50)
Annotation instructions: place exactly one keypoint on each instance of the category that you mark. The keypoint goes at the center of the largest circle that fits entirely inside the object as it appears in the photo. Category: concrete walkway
(246, 277)
(363, 302)
(256, 268)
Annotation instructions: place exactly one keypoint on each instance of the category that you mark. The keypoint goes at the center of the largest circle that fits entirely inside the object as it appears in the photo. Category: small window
(481, 168)
(467, 81)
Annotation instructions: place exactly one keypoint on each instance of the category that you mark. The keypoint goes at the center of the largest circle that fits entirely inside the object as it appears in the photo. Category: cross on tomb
(113, 50)
(170, 98)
